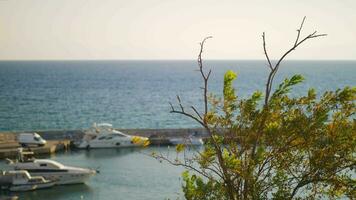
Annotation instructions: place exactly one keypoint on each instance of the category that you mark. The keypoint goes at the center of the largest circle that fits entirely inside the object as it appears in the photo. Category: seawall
(59, 140)
(77, 134)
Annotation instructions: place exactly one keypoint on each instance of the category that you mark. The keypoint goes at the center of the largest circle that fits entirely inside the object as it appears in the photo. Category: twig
(275, 68)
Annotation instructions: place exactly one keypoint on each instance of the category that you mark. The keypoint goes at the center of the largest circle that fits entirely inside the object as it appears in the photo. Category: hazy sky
(171, 29)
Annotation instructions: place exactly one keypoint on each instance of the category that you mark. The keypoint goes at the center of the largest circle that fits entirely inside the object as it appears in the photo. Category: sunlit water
(130, 94)
(135, 94)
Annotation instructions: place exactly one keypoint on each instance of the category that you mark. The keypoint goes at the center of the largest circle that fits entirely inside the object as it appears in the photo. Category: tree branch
(265, 51)
(275, 68)
(205, 77)
(299, 30)
(196, 112)
(190, 116)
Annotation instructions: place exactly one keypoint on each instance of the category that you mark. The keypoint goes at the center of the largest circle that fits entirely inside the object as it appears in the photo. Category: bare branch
(275, 68)
(199, 119)
(180, 103)
(205, 77)
(172, 108)
(196, 112)
(190, 116)
(178, 98)
(217, 172)
(183, 165)
(203, 119)
(265, 51)
(200, 61)
(299, 30)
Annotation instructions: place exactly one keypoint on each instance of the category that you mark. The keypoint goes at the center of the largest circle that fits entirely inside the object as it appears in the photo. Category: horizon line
(63, 60)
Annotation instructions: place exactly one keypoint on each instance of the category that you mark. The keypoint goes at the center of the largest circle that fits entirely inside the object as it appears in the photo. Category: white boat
(23, 181)
(190, 140)
(22, 188)
(104, 136)
(54, 171)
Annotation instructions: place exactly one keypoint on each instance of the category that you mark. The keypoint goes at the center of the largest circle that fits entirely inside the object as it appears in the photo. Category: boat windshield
(104, 125)
(49, 164)
(115, 132)
(111, 136)
(36, 180)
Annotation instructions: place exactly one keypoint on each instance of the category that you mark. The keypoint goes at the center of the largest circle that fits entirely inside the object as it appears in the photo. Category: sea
(57, 95)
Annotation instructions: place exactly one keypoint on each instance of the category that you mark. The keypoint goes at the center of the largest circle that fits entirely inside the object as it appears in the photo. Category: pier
(60, 140)
(10, 149)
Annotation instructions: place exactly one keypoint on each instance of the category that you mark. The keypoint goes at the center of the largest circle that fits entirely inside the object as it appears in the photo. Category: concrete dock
(59, 140)
(10, 150)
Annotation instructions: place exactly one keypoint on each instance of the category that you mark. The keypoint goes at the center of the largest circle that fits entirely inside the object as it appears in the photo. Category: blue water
(130, 94)
(41, 95)
(124, 174)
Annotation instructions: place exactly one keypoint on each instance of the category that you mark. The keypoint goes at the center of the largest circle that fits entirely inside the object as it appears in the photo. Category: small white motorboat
(190, 140)
(23, 181)
(105, 136)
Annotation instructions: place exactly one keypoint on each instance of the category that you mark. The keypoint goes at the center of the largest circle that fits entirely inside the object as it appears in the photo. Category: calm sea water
(130, 94)
(124, 174)
(134, 94)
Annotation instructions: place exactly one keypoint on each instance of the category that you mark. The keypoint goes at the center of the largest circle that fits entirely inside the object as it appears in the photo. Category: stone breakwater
(78, 134)
(59, 140)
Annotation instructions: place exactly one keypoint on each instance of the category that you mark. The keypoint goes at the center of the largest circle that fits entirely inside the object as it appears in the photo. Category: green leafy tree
(272, 145)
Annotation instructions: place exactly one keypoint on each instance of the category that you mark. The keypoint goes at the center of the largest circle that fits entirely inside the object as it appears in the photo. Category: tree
(271, 145)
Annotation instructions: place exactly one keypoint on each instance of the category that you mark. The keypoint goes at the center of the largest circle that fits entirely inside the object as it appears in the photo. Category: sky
(172, 29)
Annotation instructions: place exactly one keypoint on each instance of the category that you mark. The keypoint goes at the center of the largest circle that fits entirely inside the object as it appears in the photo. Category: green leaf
(286, 85)
(229, 91)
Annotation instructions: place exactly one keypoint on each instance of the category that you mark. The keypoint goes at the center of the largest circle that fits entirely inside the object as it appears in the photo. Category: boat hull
(30, 187)
(186, 141)
(109, 144)
(22, 188)
(46, 185)
(63, 178)
(105, 146)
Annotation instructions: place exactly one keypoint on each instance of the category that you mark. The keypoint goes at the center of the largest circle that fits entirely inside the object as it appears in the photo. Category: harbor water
(124, 174)
(71, 95)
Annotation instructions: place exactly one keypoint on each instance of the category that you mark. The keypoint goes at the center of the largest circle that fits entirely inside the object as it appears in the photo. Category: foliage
(196, 189)
(306, 147)
(273, 145)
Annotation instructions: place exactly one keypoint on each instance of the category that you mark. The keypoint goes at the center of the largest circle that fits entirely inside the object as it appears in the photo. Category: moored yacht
(22, 181)
(54, 171)
(105, 136)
